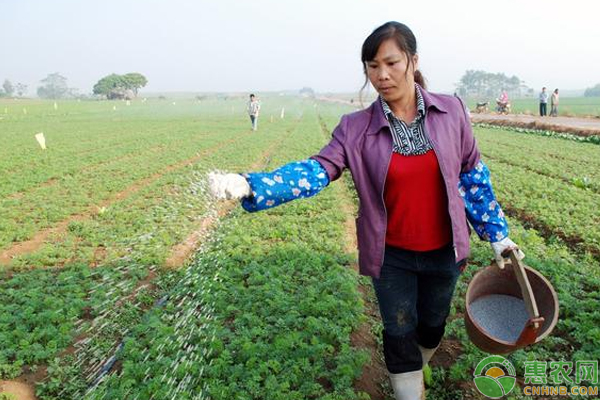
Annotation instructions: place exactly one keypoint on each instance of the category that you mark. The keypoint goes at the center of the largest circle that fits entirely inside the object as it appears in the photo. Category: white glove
(502, 246)
(228, 186)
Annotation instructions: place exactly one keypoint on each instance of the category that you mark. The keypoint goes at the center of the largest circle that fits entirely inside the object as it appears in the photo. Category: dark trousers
(414, 293)
(542, 109)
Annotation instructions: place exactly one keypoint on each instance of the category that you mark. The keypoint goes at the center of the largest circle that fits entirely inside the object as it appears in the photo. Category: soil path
(18, 390)
(575, 125)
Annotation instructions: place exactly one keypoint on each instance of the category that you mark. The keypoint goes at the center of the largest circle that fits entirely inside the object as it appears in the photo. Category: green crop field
(112, 250)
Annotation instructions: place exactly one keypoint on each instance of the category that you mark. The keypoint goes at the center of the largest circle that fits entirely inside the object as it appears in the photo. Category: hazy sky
(264, 45)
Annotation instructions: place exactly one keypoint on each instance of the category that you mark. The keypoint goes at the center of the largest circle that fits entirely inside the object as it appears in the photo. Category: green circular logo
(494, 377)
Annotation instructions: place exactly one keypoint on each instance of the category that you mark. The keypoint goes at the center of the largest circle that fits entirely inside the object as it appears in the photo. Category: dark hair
(252, 95)
(403, 37)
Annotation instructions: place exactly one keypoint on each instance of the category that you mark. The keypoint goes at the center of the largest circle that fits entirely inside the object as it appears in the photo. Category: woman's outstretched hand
(500, 248)
(228, 186)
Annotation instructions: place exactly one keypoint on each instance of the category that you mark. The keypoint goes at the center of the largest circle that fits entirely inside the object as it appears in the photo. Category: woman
(554, 99)
(416, 168)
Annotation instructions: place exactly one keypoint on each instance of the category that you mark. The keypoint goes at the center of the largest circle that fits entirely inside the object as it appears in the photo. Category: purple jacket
(362, 142)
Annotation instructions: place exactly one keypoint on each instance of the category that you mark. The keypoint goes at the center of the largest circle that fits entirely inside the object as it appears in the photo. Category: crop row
(570, 211)
(574, 163)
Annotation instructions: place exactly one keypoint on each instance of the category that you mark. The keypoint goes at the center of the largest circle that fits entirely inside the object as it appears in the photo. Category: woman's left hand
(501, 247)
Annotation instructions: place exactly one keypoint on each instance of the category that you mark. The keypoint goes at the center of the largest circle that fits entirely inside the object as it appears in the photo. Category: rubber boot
(408, 385)
(426, 354)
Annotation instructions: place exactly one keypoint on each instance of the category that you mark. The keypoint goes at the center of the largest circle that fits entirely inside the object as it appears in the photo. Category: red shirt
(417, 204)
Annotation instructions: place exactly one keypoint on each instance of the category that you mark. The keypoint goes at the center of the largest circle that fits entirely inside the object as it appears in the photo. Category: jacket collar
(379, 121)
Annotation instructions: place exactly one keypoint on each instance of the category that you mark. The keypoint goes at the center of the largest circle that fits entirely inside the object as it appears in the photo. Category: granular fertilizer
(502, 317)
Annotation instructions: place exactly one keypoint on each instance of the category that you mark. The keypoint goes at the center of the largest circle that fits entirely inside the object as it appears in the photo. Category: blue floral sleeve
(483, 211)
(292, 181)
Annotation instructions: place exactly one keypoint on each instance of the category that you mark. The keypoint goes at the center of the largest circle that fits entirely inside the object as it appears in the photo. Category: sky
(272, 45)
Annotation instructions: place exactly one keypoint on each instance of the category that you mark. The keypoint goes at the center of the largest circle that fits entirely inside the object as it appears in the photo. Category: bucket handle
(530, 331)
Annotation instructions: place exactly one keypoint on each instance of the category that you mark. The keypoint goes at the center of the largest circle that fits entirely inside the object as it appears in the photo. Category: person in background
(502, 103)
(419, 177)
(253, 111)
(503, 99)
(543, 102)
(554, 103)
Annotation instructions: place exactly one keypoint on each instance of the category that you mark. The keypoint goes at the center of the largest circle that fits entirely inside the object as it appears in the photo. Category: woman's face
(390, 72)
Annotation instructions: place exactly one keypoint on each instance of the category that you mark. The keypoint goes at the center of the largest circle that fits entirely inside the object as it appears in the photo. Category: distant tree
(54, 87)
(480, 84)
(21, 89)
(116, 86)
(593, 91)
(112, 86)
(134, 81)
(8, 88)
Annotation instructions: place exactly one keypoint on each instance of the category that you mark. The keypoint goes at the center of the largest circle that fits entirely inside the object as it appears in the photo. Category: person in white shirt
(253, 111)
(543, 102)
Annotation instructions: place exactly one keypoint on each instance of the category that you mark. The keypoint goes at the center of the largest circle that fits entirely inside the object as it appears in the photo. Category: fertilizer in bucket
(502, 317)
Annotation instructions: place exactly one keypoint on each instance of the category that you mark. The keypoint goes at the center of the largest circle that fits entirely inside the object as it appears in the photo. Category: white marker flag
(41, 140)
(282, 112)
